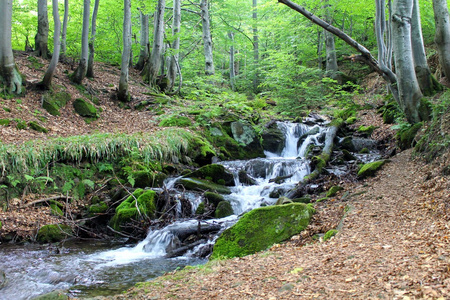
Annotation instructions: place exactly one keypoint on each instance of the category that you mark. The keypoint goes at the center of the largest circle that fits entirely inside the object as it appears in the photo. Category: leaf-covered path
(394, 244)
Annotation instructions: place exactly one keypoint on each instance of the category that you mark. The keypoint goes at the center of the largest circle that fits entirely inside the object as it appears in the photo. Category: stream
(88, 269)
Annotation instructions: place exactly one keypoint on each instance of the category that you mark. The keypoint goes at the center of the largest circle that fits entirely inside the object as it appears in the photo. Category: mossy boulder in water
(53, 233)
(214, 198)
(223, 209)
(143, 179)
(217, 173)
(370, 168)
(273, 139)
(262, 227)
(139, 205)
(196, 184)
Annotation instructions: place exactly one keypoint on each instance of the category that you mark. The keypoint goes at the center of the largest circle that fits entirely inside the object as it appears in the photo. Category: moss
(5, 122)
(203, 185)
(216, 173)
(200, 209)
(1, 225)
(304, 199)
(223, 210)
(35, 126)
(214, 198)
(370, 168)
(98, 208)
(52, 102)
(140, 204)
(56, 210)
(337, 122)
(333, 190)
(175, 120)
(20, 124)
(144, 179)
(425, 109)
(364, 151)
(329, 234)
(53, 233)
(322, 199)
(261, 228)
(405, 138)
(203, 151)
(55, 295)
(85, 109)
(367, 130)
(319, 162)
(351, 120)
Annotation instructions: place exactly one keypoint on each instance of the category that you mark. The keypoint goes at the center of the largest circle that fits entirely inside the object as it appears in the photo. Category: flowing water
(90, 269)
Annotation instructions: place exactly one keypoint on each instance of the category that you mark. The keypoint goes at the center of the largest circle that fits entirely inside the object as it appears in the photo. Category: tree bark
(408, 85)
(90, 67)
(172, 70)
(144, 42)
(232, 70)
(428, 84)
(47, 81)
(41, 39)
(442, 36)
(80, 72)
(255, 45)
(64, 30)
(158, 35)
(207, 41)
(123, 94)
(10, 77)
(331, 60)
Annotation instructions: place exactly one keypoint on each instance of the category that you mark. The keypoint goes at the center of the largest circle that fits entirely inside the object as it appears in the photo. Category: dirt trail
(394, 244)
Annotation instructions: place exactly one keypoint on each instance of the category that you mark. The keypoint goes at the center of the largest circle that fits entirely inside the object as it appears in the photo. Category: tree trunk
(428, 84)
(64, 30)
(10, 77)
(172, 72)
(80, 72)
(123, 94)
(144, 42)
(90, 67)
(255, 45)
(41, 39)
(232, 70)
(330, 49)
(320, 49)
(158, 35)
(207, 41)
(408, 86)
(47, 81)
(442, 37)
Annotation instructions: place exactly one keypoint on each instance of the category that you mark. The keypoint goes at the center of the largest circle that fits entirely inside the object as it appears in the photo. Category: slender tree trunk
(442, 37)
(144, 42)
(320, 49)
(331, 60)
(64, 30)
(428, 84)
(172, 72)
(90, 67)
(408, 86)
(207, 41)
(232, 70)
(158, 35)
(123, 84)
(255, 45)
(10, 78)
(47, 81)
(80, 72)
(41, 39)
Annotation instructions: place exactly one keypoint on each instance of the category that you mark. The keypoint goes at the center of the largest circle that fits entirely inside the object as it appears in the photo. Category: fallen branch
(45, 200)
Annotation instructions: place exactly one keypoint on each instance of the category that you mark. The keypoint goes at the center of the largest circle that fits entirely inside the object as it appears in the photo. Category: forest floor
(394, 228)
(393, 243)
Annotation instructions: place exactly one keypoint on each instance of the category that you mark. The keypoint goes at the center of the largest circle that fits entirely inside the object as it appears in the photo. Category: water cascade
(95, 268)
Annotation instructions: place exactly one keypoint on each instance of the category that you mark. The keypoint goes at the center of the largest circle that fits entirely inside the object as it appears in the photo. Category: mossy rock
(35, 126)
(140, 204)
(351, 120)
(329, 234)
(143, 179)
(200, 209)
(347, 155)
(370, 169)
(20, 124)
(202, 151)
(405, 138)
(53, 102)
(196, 184)
(364, 151)
(85, 109)
(273, 139)
(216, 172)
(283, 200)
(333, 190)
(53, 233)
(224, 209)
(366, 130)
(214, 198)
(175, 121)
(389, 116)
(262, 227)
(5, 122)
(55, 295)
(304, 200)
(56, 210)
(98, 208)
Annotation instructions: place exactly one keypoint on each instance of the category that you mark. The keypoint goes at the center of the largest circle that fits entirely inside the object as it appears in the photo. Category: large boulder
(262, 227)
(216, 173)
(85, 109)
(273, 139)
(243, 132)
(224, 209)
(53, 233)
(196, 184)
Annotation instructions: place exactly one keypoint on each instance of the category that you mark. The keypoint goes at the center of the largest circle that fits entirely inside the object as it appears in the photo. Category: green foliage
(5, 122)
(35, 126)
(329, 234)
(175, 121)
